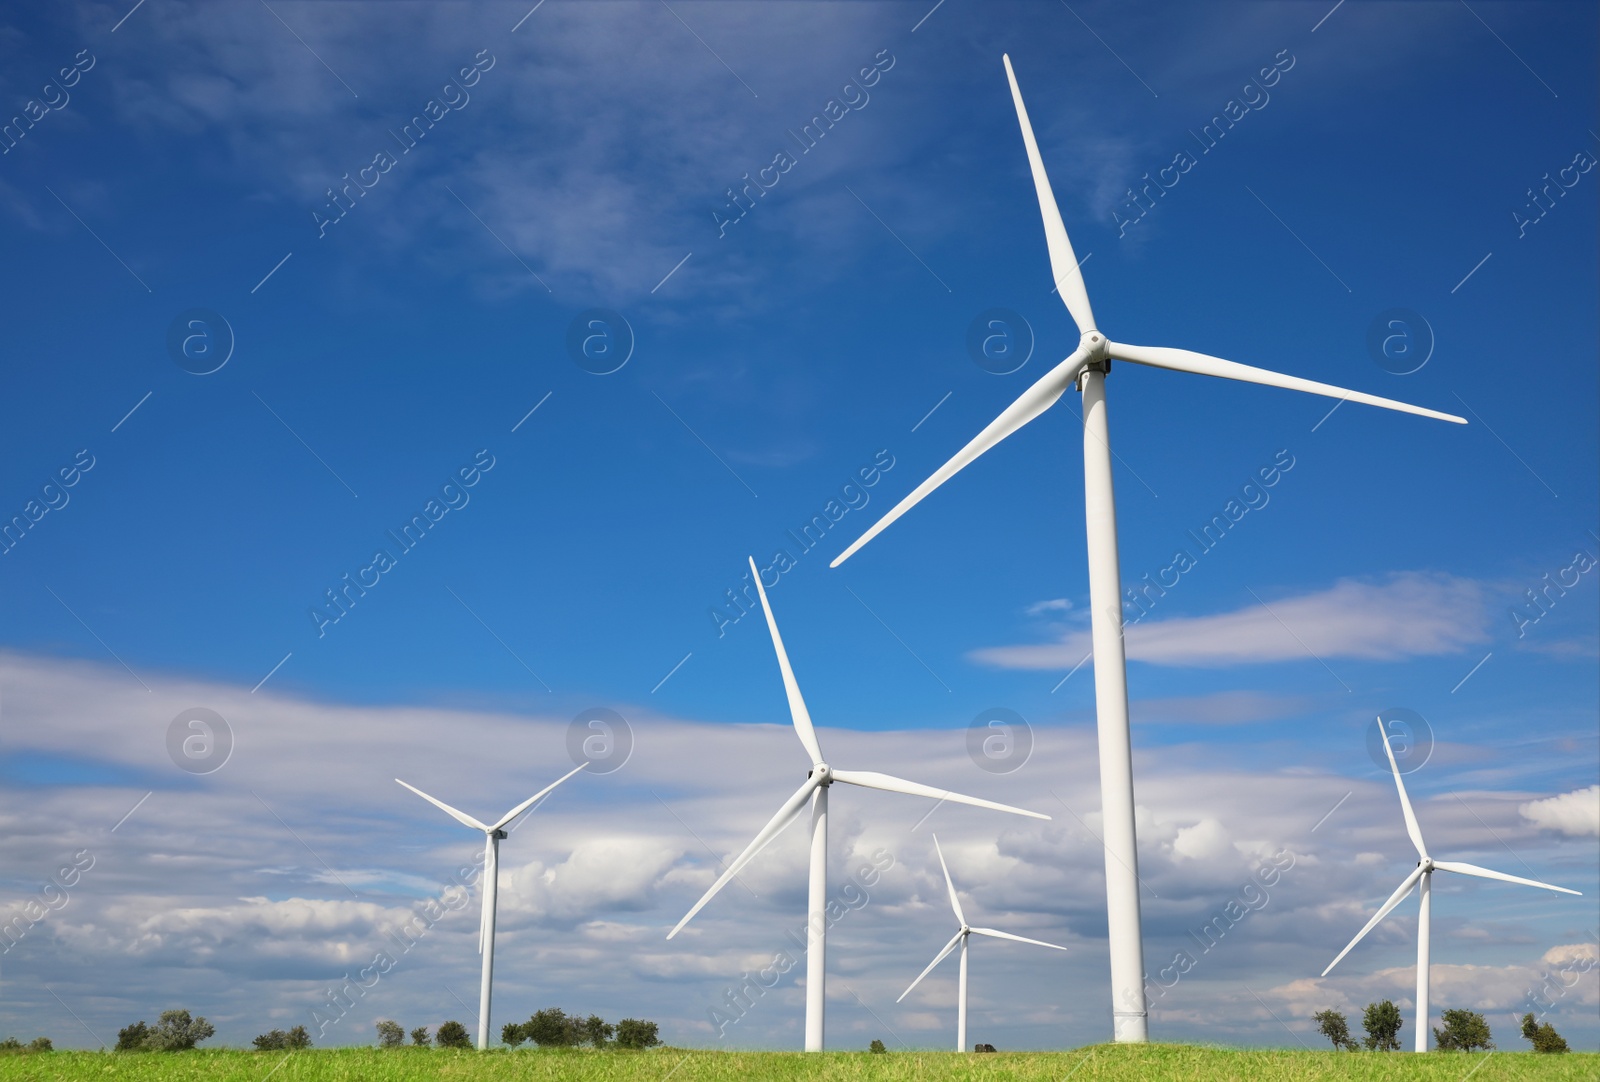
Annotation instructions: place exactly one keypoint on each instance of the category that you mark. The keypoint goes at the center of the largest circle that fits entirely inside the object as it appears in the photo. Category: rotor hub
(823, 773)
(1097, 355)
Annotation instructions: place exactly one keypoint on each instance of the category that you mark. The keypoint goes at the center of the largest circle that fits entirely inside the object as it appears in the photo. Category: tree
(877, 1047)
(1334, 1026)
(1544, 1036)
(511, 1033)
(595, 1030)
(42, 1044)
(637, 1033)
(1463, 1031)
(453, 1035)
(278, 1041)
(550, 1028)
(390, 1035)
(1382, 1022)
(177, 1032)
(132, 1038)
(420, 1038)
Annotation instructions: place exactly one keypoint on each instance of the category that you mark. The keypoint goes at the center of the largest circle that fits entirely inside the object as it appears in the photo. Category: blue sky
(824, 332)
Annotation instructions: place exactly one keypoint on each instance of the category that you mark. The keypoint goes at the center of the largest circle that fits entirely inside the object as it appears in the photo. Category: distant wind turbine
(1086, 370)
(814, 789)
(960, 939)
(491, 883)
(1423, 874)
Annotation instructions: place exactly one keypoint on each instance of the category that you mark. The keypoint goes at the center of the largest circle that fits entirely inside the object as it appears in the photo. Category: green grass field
(1102, 1062)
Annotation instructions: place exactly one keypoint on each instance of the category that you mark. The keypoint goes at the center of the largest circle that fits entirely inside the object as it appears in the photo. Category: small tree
(1334, 1026)
(1382, 1022)
(177, 1032)
(877, 1047)
(42, 1044)
(276, 1041)
(132, 1038)
(1463, 1031)
(420, 1038)
(550, 1028)
(637, 1033)
(453, 1035)
(595, 1030)
(1544, 1036)
(511, 1034)
(390, 1035)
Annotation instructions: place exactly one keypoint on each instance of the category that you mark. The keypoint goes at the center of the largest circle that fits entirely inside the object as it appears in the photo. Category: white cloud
(1054, 604)
(1409, 614)
(1576, 813)
(1205, 840)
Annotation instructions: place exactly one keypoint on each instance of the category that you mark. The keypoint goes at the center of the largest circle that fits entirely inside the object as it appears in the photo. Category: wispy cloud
(1409, 614)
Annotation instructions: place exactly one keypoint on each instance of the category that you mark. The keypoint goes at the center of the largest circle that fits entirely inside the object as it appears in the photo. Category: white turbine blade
(996, 933)
(1405, 802)
(1034, 401)
(1487, 873)
(955, 903)
(491, 868)
(871, 779)
(941, 956)
(460, 816)
(535, 798)
(1183, 360)
(797, 705)
(786, 815)
(1395, 899)
(1063, 261)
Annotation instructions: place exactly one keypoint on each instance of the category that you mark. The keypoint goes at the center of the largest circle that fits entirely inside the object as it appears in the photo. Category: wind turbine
(815, 788)
(1086, 370)
(960, 939)
(491, 883)
(1423, 874)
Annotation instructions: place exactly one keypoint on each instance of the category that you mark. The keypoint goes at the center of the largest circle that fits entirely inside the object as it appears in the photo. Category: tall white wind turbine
(491, 883)
(814, 789)
(1086, 370)
(1422, 876)
(960, 939)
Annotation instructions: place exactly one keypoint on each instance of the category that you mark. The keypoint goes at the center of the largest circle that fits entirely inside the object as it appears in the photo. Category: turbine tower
(1422, 876)
(819, 779)
(1086, 370)
(491, 884)
(960, 939)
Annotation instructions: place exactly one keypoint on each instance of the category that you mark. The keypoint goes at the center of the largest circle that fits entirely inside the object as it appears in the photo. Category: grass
(1099, 1063)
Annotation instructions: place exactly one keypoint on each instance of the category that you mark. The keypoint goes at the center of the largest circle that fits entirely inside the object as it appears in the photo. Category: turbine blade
(1063, 261)
(1034, 401)
(1183, 360)
(1405, 802)
(996, 933)
(871, 779)
(535, 798)
(941, 956)
(491, 868)
(786, 815)
(955, 903)
(797, 705)
(1488, 873)
(460, 816)
(1400, 894)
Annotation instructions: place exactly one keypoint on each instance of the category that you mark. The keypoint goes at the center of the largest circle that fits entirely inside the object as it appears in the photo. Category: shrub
(132, 1038)
(1334, 1026)
(983, 1048)
(390, 1035)
(550, 1028)
(453, 1035)
(1463, 1031)
(1382, 1022)
(877, 1047)
(637, 1033)
(511, 1034)
(420, 1038)
(278, 1041)
(42, 1044)
(1544, 1036)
